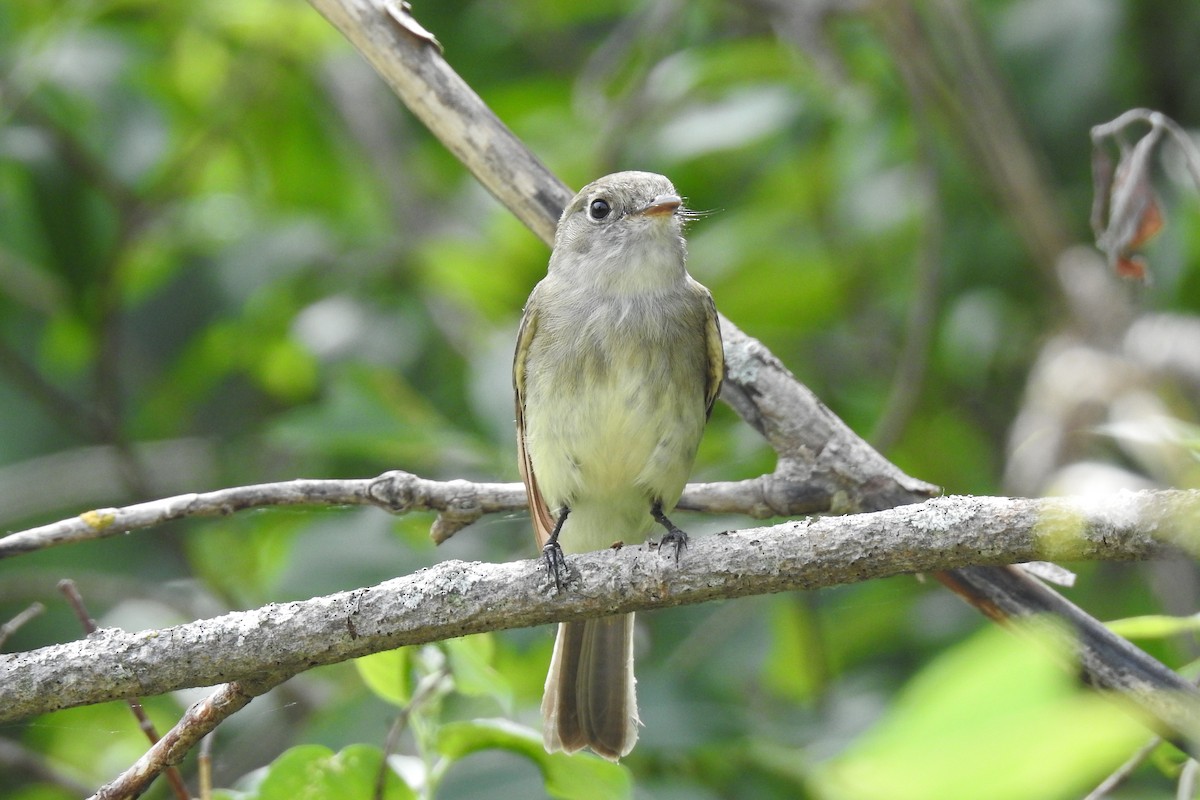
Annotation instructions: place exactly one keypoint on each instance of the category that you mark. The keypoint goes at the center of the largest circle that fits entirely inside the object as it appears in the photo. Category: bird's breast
(615, 397)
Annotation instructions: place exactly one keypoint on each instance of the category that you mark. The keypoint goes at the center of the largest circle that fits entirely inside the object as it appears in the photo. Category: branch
(75, 600)
(458, 503)
(14, 624)
(912, 362)
(1105, 661)
(101, 523)
(197, 723)
(455, 598)
(57, 404)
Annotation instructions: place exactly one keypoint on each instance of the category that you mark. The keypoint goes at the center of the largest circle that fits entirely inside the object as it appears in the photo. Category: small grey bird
(618, 363)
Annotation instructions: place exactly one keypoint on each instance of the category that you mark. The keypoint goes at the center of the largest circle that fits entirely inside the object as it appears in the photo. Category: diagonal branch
(455, 598)
(850, 476)
(200, 720)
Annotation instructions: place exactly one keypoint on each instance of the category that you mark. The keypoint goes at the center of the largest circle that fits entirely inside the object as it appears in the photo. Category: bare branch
(14, 624)
(197, 723)
(455, 598)
(104, 522)
(61, 406)
(1122, 774)
(1106, 661)
(913, 358)
(458, 503)
(75, 600)
(945, 55)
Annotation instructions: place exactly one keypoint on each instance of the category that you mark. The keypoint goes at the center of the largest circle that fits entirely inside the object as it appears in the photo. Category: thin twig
(62, 407)
(1187, 780)
(104, 522)
(75, 600)
(941, 46)
(133, 214)
(458, 503)
(648, 30)
(28, 284)
(1123, 772)
(73, 150)
(196, 723)
(14, 624)
(204, 765)
(913, 360)
(432, 685)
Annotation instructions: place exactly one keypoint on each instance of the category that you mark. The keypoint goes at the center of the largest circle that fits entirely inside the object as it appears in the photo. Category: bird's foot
(674, 538)
(556, 563)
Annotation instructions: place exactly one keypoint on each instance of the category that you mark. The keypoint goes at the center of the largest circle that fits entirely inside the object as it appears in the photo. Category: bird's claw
(556, 562)
(674, 538)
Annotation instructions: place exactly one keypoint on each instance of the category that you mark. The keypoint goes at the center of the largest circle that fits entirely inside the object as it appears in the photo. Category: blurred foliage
(228, 255)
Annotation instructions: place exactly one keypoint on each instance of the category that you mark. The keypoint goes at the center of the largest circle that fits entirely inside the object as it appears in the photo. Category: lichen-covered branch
(457, 503)
(455, 598)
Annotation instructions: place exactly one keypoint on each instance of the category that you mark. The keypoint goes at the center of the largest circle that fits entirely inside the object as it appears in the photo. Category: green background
(228, 255)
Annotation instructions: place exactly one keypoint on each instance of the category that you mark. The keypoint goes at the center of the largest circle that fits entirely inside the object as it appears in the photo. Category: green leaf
(471, 664)
(314, 772)
(387, 675)
(994, 694)
(67, 345)
(287, 370)
(572, 777)
(244, 556)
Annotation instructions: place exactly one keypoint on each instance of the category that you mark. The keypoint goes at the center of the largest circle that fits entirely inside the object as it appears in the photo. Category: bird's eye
(599, 209)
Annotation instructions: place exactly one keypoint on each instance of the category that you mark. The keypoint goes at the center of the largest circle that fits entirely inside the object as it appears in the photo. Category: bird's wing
(542, 521)
(716, 353)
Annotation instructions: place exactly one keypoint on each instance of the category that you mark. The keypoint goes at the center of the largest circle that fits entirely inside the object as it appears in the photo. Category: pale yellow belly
(610, 448)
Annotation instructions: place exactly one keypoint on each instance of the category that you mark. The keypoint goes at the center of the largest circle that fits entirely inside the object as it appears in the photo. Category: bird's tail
(589, 699)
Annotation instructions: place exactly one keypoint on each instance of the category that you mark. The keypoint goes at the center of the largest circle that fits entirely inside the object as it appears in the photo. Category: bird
(617, 366)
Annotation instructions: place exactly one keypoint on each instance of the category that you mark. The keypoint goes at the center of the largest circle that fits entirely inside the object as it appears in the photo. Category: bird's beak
(663, 205)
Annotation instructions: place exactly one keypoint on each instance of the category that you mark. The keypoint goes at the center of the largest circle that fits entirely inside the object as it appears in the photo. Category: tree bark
(456, 598)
